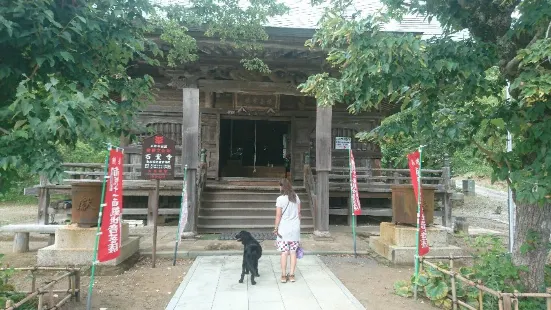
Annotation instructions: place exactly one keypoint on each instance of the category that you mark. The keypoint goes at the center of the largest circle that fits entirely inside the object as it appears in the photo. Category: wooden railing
(310, 185)
(45, 293)
(381, 178)
(202, 178)
(505, 300)
(94, 171)
(366, 176)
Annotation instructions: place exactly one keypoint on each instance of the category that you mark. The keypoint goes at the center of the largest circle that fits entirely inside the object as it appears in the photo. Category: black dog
(251, 253)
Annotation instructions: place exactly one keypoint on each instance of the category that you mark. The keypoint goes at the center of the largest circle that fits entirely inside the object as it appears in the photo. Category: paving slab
(212, 283)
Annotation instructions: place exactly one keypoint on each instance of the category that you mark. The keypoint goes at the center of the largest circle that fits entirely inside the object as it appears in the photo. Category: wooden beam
(231, 86)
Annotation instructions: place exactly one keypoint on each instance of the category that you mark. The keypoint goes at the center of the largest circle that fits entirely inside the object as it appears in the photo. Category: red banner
(414, 169)
(111, 220)
(354, 185)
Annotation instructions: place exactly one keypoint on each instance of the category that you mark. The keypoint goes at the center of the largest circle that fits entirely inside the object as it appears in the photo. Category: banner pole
(419, 193)
(178, 236)
(94, 262)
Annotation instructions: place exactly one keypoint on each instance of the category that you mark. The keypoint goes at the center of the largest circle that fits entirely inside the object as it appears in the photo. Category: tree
(64, 67)
(450, 88)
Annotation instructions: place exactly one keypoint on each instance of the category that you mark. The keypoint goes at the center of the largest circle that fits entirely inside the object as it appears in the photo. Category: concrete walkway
(212, 283)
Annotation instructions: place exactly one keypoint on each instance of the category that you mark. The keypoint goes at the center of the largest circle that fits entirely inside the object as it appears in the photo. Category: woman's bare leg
(284, 263)
(293, 262)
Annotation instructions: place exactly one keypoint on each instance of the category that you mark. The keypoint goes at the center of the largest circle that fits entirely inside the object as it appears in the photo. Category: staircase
(245, 205)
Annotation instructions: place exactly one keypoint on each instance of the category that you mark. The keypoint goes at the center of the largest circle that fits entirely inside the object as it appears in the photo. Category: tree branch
(513, 64)
(4, 131)
(490, 156)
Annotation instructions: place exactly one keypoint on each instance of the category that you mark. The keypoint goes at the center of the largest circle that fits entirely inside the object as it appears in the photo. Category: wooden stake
(480, 297)
(155, 214)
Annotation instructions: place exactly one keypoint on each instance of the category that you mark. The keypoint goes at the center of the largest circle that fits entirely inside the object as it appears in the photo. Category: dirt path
(372, 283)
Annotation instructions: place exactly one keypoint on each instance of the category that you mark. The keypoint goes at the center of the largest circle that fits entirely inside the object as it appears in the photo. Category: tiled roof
(303, 16)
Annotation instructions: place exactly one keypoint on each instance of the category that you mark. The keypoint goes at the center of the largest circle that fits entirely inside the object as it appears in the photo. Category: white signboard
(343, 143)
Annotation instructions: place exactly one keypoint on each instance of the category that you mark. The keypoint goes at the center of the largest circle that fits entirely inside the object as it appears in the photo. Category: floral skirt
(287, 246)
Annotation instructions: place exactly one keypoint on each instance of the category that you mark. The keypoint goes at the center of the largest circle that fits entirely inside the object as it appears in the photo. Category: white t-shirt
(289, 226)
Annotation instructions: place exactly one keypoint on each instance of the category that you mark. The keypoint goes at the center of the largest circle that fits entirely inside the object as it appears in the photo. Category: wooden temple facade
(239, 132)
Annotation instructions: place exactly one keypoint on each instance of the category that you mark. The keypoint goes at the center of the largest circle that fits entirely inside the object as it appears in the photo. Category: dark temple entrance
(254, 148)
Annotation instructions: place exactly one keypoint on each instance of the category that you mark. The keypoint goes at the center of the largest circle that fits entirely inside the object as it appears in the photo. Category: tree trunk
(531, 243)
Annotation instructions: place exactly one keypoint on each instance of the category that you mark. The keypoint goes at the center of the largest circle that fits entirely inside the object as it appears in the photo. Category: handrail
(310, 185)
(202, 179)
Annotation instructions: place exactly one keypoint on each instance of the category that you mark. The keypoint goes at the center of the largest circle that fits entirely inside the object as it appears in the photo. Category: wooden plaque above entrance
(256, 102)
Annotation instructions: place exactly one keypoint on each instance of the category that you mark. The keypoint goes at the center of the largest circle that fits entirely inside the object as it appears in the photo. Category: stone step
(208, 228)
(251, 204)
(245, 220)
(221, 211)
(243, 195)
(248, 188)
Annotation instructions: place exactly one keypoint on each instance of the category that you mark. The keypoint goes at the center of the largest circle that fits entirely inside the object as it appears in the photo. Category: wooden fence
(506, 301)
(45, 293)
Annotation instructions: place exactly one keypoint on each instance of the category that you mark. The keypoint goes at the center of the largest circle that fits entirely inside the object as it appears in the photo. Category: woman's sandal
(283, 279)
(292, 278)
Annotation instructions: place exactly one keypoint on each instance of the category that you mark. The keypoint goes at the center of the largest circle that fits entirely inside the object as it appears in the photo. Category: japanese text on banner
(111, 220)
(355, 194)
(414, 169)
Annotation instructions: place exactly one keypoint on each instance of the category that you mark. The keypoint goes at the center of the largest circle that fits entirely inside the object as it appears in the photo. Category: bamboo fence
(45, 293)
(506, 301)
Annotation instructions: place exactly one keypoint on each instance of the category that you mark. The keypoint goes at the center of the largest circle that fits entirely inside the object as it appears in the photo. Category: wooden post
(480, 297)
(77, 285)
(454, 292)
(155, 215)
(43, 201)
(446, 178)
(323, 168)
(151, 204)
(548, 299)
(21, 242)
(190, 153)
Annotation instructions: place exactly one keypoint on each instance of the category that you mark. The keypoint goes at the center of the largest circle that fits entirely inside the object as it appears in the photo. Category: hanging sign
(415, 170)
(158, 157)
(343, 143)
(111, 218)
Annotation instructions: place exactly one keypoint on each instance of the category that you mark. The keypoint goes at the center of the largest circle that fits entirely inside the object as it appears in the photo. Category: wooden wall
(165, 117)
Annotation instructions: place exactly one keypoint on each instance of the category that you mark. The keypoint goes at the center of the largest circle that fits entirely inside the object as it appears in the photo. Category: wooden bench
(22, 231)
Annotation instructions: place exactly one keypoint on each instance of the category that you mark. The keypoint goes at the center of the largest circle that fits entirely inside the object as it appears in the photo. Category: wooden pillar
(43, 201)
(323, 168)
(446, 176)
(190, 153)
(21, 242)
(209, 99)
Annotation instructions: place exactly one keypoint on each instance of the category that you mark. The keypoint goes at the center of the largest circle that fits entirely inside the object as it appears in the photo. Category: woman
(287, 228)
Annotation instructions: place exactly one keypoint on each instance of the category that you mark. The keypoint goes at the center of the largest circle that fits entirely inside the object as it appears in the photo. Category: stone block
(52, 256)
(74, 246)
(400, 255)
(406, 236)
(73, 237)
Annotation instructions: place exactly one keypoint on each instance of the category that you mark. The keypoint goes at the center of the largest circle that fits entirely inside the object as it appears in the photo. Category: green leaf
(403, 288)
(67, 36)
(19, 123)
(498, 122)
(436, 290)
(66, 56)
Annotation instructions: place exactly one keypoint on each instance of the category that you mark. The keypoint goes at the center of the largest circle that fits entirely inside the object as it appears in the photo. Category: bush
(492, 265)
